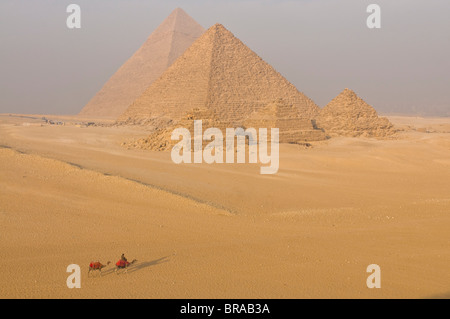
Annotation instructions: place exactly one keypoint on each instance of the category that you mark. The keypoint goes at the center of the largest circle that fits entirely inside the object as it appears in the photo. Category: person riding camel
(123, 263)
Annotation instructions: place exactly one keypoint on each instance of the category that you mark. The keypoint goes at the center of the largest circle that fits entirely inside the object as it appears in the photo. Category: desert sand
(71, 194)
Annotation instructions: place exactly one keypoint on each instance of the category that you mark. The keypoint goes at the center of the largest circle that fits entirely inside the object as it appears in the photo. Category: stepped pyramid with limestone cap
(173, 36)
(349, 115)
(219, 73)
(284, 116)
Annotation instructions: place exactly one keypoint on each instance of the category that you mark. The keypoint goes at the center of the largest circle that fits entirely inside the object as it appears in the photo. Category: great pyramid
(169, 41)
(219, 73)
(285, 117)
(349, 115)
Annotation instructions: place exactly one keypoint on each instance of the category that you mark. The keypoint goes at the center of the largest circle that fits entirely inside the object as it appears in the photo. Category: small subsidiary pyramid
(160, 139)
(169, 41)
(219, 73)
(292, 128)
(349, 115)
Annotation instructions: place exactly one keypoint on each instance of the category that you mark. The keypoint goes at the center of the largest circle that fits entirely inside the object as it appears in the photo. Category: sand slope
(309, 231)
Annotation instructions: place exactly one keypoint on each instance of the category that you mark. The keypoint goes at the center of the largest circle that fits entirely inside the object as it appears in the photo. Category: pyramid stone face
(218, 72)
(292, 128)
(182, 88)
(241, 82)
(349, 115)
(278, 114)
(160, 140)
(168, 42)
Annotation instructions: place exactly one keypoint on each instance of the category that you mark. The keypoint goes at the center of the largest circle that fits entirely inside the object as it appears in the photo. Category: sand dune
(72, 194)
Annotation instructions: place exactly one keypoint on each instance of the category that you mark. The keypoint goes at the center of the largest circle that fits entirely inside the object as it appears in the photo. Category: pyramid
(349, 115)
(219, 73)
(160, 139)
(292, 128)
(169, 41)
(278, 114)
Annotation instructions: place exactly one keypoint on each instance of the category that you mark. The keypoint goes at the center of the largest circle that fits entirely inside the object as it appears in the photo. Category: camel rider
(123, 258)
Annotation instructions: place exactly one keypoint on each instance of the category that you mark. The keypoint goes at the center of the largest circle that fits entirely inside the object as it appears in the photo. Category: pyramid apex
(347, 91)
(218, 28)
(347, 99)
(178, 20)
(177, 11)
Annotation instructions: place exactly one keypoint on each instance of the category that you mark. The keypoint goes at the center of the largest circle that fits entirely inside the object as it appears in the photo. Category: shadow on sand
(135, 267)
(143, 265)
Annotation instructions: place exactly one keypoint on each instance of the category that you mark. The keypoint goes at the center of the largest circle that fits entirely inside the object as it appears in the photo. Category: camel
(124, 264)
(96, 265)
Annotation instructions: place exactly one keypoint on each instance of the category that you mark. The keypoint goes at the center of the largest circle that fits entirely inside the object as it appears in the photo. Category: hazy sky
(321, 46)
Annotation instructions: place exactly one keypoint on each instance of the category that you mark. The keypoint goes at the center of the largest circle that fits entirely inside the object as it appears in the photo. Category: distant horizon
(321, 47)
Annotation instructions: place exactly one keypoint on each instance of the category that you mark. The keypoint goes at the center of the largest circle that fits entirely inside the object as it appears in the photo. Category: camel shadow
(110, 270)
(143, 265)
(132, 268)
(107, 271)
